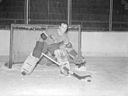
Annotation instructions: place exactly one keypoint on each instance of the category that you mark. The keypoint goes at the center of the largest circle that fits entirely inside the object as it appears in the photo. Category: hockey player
(56, 44)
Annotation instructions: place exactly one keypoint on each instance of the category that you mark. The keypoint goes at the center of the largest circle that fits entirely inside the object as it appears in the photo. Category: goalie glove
(44, 36)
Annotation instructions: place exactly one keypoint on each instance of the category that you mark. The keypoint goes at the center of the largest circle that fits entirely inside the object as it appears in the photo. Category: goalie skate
(29, 65)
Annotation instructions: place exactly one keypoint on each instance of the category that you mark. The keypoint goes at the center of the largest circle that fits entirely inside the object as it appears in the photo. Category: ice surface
(110, 78)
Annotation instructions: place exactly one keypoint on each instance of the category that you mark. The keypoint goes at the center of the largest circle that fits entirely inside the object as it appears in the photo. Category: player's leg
(34, 57)
(62, 59)
(29, 64)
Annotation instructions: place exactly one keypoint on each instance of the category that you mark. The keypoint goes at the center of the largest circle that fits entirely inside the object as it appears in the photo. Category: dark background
(92, 15)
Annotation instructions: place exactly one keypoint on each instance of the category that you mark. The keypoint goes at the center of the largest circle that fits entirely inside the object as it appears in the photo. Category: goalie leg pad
(29, 64)
(62, 58)
(39, 48)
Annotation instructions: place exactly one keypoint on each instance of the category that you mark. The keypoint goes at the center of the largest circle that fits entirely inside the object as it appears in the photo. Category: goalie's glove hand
(80, 61)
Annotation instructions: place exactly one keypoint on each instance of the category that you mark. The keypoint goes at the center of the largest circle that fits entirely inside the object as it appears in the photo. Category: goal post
(23, 38)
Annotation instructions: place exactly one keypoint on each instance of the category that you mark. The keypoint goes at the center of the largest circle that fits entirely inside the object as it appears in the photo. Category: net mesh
(23, 39)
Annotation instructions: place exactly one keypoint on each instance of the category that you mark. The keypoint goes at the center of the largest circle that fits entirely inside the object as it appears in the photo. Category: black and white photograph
(63, 47)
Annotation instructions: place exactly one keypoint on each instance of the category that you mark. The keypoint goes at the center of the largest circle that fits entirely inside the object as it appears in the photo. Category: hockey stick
(70, 72)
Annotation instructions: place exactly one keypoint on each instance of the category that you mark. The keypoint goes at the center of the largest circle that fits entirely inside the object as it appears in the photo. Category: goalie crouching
(55, 43)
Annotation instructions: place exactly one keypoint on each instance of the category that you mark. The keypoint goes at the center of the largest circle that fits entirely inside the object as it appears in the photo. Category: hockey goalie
(54, 45)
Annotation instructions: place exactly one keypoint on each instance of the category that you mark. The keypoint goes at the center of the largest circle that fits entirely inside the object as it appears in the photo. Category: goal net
(23, 38)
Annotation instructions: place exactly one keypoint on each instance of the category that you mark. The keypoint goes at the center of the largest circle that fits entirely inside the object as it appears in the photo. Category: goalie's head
(64, 25)
(63, 28)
